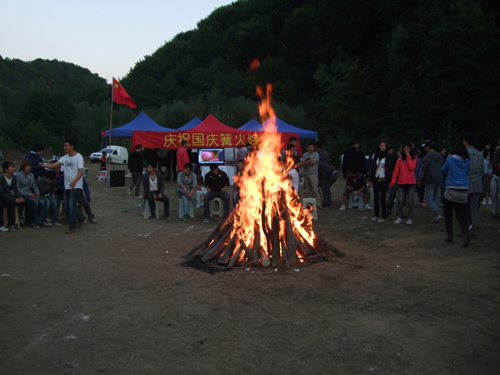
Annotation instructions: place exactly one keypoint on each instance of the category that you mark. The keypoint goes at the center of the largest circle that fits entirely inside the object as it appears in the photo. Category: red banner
(172, 140)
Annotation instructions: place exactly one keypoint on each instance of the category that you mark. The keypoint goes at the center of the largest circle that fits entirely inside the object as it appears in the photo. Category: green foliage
(448, 136)
(395, 69)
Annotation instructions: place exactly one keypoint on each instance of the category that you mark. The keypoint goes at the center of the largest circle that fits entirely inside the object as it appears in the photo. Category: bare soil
(114, 299)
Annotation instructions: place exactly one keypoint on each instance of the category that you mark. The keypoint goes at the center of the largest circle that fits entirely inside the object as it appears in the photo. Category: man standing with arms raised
(73, 165)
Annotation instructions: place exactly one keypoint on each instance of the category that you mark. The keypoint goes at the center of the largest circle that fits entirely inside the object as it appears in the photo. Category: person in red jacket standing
(182, 157)
(404, 175)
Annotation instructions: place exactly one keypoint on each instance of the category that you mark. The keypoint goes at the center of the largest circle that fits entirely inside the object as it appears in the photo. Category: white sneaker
(398, 221)
(342, 208)
(489, 201)
(3, 229)
(436, 218)
(139, 196)
(485, 201)
(368, 207)
(409, 222)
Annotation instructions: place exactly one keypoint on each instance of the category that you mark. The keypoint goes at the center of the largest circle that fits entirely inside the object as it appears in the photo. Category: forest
(371, 69)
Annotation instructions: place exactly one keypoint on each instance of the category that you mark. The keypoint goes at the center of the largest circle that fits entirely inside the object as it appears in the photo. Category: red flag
(120, 96)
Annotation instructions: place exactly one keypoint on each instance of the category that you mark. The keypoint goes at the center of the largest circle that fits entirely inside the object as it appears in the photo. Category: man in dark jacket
(154, 190)
(327, 176)
(432, 178)
(9, 195)
(216, 182)
(354, 160)
(36, 161)
(136, 167)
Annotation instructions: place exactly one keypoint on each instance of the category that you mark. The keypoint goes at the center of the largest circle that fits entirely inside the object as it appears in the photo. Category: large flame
(267, 200)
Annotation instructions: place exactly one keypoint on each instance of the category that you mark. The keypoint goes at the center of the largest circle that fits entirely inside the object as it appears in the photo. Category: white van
(116, 155)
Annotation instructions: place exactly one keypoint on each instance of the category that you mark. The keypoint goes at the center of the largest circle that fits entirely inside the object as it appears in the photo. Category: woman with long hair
(404, 175)
(379, 174)
(456, 170)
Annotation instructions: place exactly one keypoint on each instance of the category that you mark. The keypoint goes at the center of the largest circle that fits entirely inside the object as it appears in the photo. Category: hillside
(394, 69)
(45, 100)
(398, 70)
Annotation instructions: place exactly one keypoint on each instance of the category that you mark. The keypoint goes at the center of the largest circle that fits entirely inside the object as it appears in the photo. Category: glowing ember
(268, 226)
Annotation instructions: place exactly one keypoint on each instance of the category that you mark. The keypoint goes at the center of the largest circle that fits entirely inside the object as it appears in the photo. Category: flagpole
(110, 130)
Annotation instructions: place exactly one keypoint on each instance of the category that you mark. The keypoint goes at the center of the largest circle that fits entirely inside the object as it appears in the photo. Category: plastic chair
(180, 212)
(311, 202)
(146, 212)
(217, 207)
(354, 201)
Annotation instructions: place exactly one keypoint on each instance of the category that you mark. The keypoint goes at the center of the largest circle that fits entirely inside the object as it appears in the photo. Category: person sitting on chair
(154, 188)
(216, 182)
(186, 188)
(355, 183)
(9, 195)
(46, 186)
(35, 208)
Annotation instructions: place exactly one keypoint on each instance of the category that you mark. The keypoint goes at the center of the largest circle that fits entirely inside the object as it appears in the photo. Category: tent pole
(110, 130)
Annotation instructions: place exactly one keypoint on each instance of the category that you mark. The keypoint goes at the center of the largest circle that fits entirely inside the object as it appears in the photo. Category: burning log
(272, 245)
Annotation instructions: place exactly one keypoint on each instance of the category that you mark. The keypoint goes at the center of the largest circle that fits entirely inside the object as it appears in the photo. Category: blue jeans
(433, 198)
(71, 198)
(405, 194)
(50, 205)
(392, 195)
(86, 206)
(185, 200)
(35, 211)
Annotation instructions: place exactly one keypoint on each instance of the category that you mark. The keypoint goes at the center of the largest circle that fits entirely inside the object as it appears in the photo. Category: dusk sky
(106, 36)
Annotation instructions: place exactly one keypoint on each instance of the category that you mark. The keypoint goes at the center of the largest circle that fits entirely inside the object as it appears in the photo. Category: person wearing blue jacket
(456, 170)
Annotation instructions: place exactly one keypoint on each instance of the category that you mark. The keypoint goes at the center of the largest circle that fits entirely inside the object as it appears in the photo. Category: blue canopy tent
(283, 127)
(141, 122)
(191, 124)
(252, 125)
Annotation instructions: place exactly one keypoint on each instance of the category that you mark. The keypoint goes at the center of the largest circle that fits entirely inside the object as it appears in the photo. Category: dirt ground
(114, 299)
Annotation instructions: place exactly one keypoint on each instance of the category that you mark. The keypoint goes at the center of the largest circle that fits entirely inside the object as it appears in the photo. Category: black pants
(216, 194)
(460, 209)
(136, 181)
(11, 211)
(166, 204)
(379, 198)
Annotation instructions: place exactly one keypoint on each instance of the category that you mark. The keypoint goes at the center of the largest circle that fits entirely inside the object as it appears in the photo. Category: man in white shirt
(73, 165)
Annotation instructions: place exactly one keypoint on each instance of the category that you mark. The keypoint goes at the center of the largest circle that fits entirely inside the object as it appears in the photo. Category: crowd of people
(458, 181)
(40, 188)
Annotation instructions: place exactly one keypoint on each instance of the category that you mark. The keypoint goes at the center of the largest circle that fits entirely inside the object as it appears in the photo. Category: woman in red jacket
(404, 175)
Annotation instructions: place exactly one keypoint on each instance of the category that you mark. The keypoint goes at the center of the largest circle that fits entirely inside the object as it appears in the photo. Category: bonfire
(269, 226)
